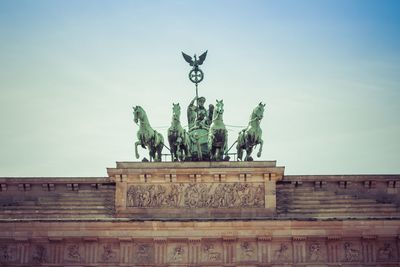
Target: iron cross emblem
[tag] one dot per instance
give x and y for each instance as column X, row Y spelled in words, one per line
column 196, row 75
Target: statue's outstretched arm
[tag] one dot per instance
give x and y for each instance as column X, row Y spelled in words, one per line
column 192, row 102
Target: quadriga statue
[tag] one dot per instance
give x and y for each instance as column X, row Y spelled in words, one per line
column 251, row 136
column 147, row 136
column 217, row 135
column 178, row 138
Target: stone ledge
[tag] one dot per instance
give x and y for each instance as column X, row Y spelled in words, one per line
column 196, row 164
column 244, row 219
column 338, row 178
column 54, row 180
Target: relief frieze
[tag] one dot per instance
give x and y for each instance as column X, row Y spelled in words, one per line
column 73, row 252
column 144, row 253
column 386, row 252
column 212, row 252
column 316, row 252
column 8, row 253
column 351, row 253
column 248, row 251
column 39, row 254
column 282, row 253
column 108, row 253
column 177, row 253
column 196, row 195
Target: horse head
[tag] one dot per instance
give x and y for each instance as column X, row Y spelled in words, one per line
column 219, row 109
column 258, row 112
column 138, row 114
column 176, row 111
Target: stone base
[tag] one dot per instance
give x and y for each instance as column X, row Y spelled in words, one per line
column 223, row 243
column 196, row 190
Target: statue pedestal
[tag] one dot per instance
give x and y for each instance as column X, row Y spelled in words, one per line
column 196, row 190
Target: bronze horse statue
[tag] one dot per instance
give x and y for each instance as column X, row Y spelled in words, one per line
column 217, row 135
column 251, row 136
column 178, row 138
column 147, row 136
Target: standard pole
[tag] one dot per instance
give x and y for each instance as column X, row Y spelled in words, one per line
column 197, row 102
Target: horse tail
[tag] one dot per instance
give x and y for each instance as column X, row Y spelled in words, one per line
column 226, row 142
column 158, row 139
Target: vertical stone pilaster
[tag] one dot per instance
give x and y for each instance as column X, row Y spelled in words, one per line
column 60, row 252
column 333, row 249
column 126, row 250
column 270, row 191
column 229, row 246
column 368, row 249
column 264, row 249
column 22, row 250
column 56, row 252
column 160, row 251
column 299, row 249
column 194, row 250
column 90, row 245
column 120, row 192
column 398, row 247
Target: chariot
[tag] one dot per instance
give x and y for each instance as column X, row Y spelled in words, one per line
column 206, row 138
column 199, row 143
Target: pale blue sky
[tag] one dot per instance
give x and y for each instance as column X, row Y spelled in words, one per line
column 70, row 71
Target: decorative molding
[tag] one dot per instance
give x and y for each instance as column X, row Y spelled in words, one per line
column 199, row 251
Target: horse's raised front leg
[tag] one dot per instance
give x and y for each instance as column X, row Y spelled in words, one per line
column 260, row 150
column 136, row 150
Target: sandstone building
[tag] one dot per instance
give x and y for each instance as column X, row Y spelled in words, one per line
column 200, row 214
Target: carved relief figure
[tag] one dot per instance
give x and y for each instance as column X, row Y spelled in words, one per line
column 350, row 254
column 315, row 252
column 211, row 253
column 191, row 196
column 73, row 252
column 177, row 254
column 7, row 254
column 282, row 254
column 174, row 196
column 108, row 253
column 196, row 195
column 39, row 254
column 159, row 195
column 204, row 192
column 144, row 254
column 385, row 253
column 247, row 251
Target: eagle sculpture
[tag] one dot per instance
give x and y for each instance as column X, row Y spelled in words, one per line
column 196, row 62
